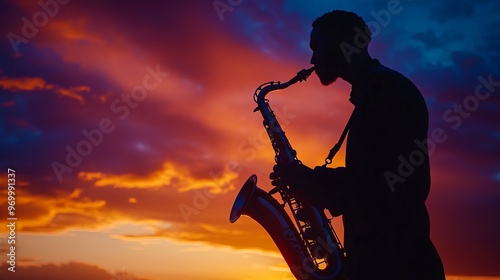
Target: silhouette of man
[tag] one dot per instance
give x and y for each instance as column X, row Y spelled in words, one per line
column 381, row 192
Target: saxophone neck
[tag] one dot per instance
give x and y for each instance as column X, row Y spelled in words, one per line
column 266, row 88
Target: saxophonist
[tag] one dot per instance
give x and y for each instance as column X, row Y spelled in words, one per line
column 382, row 189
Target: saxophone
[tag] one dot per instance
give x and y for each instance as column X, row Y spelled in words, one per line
column 309, row 244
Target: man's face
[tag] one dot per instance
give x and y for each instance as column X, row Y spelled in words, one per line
column 326, row 57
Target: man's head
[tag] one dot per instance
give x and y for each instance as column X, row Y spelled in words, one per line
column 337, row 39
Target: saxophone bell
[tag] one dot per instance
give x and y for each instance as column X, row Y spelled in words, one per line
column 243, row 199
column 257, row 204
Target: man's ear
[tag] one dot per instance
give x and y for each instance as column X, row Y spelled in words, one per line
column 348, row 50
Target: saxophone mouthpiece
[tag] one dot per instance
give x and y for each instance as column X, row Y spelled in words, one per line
column 304, row 74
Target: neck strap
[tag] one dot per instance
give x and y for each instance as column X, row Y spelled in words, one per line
column 336, row 147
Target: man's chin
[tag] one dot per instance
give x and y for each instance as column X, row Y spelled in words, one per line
column 327, row 80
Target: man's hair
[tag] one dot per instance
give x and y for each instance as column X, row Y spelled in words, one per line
column 342, row 25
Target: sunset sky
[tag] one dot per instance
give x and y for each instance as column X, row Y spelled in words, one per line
column 129, row 125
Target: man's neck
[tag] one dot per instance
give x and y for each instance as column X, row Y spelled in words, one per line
column 356, row 70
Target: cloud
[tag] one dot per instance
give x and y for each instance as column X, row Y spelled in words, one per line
column 26, row 83
column 64, row 271
column 450, row 10
column 42, row 213
column 432, row 40
column 219, row 235
column 170, row 175
column 39, row 84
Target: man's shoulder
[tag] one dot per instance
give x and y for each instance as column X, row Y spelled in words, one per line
column 380, row 72
column 390, row 83
column 390, row 77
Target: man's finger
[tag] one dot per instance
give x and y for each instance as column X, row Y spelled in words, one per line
column 277, row 167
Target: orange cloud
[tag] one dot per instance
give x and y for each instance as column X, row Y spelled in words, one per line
column 73, row 92
column 70, row 270
column 158, row 209
column 63, row 212
column 25, row 83
column 36, row 83
column 47, row 214
column 246, row 237
column 170, row 175
column 75, row 31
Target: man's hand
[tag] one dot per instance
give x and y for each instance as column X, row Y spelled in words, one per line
column 325, row 187
column 296, row 175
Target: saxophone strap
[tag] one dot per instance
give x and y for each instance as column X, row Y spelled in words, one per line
column 336, row 147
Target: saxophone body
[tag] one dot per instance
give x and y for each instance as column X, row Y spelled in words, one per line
column 308, row 243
